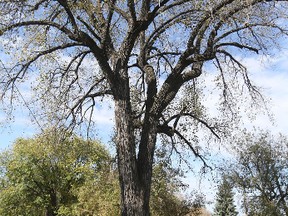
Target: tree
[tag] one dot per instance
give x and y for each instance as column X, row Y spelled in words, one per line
column 224, row 200
column 198, row 204
column 40, row 176
column 141, row 54
column 260, row 173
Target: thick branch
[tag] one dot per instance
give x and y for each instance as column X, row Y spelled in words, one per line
column 238, row 45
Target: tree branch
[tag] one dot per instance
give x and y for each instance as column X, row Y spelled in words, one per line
column 212, row 129
column 196, row 153
column 238, row 45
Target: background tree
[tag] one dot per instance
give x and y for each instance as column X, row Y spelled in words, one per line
column 166, row 196
column 39, row 176
column 260, row 173
column 100, row 197
column 198, row 204
column 224, row 205
column 141, row 54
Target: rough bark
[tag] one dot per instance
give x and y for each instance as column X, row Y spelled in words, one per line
column 135, row 174
column 135, row 171
column 131, row 189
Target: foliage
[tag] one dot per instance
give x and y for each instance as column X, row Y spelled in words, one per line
column 224, row 200
column 260, row 173
column 148, row 57
column 165, row 187
column 198, row 204
column 41, row 175
column 167, row 197
column 100, row 198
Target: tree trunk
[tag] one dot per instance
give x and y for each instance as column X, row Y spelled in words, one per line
column 131, row 201
column 134, row 174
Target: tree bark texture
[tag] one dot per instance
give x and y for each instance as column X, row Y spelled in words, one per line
column 135, row 171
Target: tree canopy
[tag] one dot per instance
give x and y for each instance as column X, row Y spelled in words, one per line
column 147, row 56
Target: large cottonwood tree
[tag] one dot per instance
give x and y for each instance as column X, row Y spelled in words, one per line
column 140, row 54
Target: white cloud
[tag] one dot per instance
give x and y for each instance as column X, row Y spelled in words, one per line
column 272, row 76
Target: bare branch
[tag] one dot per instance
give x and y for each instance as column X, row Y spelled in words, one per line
column 89, row 28
column 212, row 129
column 226, row 53
column 131, row 6
column 65, row 5
column 195, row 152
column 238, row 45
column 24, row 67
column 40, row 23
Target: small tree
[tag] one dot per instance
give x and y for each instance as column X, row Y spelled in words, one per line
column 198, row 204
column 224, row 200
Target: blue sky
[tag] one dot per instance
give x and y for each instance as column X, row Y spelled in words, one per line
column 22, row 125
